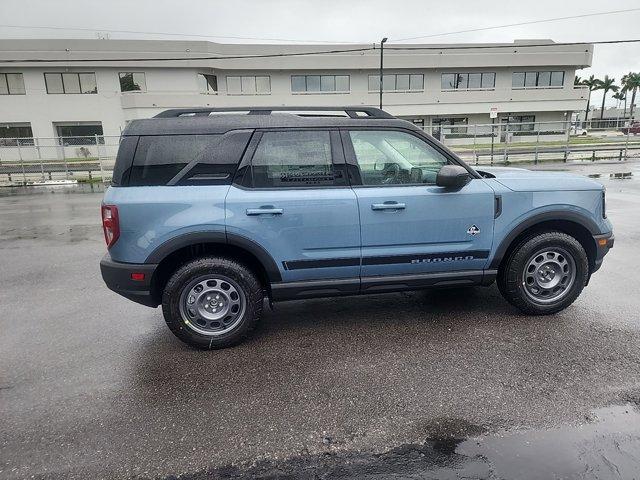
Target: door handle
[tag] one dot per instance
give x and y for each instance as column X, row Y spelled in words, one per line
column 388, row 206
column 267, row 210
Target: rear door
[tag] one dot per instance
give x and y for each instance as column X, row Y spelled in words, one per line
column 408, row 224
column 291, row 197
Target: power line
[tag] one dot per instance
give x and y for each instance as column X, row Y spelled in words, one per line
column 318, row 52
column 532, row 22
column 515, row 45
column 184, row 35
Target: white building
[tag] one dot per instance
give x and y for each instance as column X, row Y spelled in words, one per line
column 61, row 88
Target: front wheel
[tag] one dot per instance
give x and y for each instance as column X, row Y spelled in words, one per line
column 212, row 302
column 544, row 274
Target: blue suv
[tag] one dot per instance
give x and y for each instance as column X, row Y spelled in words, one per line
column 212, row 211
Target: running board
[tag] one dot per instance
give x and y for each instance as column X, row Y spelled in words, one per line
column 378, row 284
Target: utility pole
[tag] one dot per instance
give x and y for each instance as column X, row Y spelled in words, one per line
column 384, row 40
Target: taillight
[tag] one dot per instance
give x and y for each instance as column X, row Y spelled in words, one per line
column 110, row 224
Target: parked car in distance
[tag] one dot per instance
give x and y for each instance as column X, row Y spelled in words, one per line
column 211, row 212
column 634, row 128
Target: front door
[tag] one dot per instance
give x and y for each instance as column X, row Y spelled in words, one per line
column 294, row 202
column 408, row 224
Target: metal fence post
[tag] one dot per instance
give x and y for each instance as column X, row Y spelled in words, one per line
column 24, row 175
column 64, row 156
column 475, row 135
column 566, row 146
column 505, row 157
column 492, row 138
column 36, row 143
column 626, row 143
column 100, row 161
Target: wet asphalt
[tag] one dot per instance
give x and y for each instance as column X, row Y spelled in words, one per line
column 434, row 384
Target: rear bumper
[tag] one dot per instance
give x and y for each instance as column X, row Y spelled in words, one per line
column 117, row 276
column 604, row 243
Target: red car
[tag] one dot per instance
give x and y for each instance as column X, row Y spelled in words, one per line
column 634, row 128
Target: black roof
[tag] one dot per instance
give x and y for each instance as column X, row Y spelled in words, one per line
column 203, row 121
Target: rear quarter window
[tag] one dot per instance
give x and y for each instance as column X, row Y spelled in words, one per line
column 159, row 158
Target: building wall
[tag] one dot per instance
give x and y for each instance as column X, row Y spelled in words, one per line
column 174, row 84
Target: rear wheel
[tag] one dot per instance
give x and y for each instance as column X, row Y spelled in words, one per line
column 544, row 274
column 212, row 302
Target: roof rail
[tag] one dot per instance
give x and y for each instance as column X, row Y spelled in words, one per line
column 353, row 112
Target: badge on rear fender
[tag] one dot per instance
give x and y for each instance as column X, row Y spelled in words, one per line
column 473, row 230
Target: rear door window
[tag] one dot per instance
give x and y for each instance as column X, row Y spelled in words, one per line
column 295, row 159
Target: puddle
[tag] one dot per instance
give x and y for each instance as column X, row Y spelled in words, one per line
column 606, row 446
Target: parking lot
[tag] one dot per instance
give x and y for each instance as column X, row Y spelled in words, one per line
column 433, row 384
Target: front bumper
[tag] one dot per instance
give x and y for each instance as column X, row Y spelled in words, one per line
column 604, row 243
column 118, row 277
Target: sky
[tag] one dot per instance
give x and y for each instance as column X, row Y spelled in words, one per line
column 336, row 21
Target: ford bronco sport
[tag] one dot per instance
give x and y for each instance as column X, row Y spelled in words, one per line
column 210, row 212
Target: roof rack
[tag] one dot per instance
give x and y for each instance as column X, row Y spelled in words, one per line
column 353, row 112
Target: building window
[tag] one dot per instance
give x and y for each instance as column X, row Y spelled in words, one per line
column 449, row 125
column 544, row 79
column 14, row 134
column 71, row 82
column 79, row 133
column 468, row 81
column 208, row 83
column 520, row 123
column 320, row 84
column 11, row 84
column 249, row 85
column 133, row 82
column 400, row 83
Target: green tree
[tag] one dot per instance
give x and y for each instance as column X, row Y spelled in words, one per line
column 621, row 97
column 605, row 85
column 631, row 83
column 577, row 80
column 590, row 82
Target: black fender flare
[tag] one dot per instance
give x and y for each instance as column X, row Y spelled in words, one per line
column 176, row 243
column 557, row 215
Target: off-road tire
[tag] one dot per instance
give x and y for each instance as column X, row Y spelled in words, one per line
column 242, row 276
column 510, row 274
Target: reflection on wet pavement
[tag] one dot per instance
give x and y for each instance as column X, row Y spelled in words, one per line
column 606, row 446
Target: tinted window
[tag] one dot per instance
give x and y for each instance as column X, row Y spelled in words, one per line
column 544, row 79
column 11, row 84
column 133, row 82
column 557, row 79
column 488, row 80
column 159, row 158
column 395, row 158
column 294, row 159
column 517, row 80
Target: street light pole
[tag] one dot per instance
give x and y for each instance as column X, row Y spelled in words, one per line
column 381, row 66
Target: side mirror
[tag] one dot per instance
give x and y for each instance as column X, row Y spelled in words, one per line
column 452, row 176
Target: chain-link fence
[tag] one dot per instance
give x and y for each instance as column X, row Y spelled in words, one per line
column 91, row 159
column 59, row 159
column 504, row 142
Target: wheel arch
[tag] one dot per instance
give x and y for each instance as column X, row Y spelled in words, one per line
column 175, row 252
column 578, row 226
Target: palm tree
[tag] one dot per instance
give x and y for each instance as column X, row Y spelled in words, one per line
column 621, row 97
column 590, row 82
column 631, row 83
column 606, row 84
column 577, row 80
